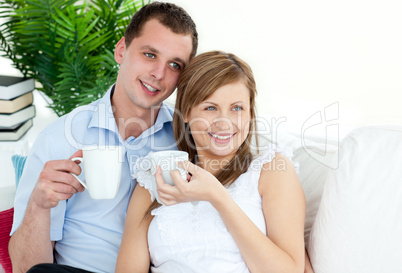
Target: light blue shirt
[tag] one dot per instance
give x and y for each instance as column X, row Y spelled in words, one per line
column 88, row 232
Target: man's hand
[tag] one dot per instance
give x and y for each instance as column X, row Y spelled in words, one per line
column 56, row 183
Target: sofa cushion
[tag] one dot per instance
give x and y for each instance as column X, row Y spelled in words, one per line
column 358, row 224
column 313, row 172
column 18, row 163
column 7, row 212
column 6, row 221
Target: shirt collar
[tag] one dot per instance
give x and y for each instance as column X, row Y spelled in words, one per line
column 165, row 114
column 103, row 115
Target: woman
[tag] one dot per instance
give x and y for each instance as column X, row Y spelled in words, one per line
column 236, row 213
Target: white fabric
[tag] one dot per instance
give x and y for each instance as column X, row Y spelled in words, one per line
column 315, row 157
column 142, row 172
column 312, row 176
column 193, row 238
column 358, row 226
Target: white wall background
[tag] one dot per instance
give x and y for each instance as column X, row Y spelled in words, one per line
column 343, row 55
column 307, row 55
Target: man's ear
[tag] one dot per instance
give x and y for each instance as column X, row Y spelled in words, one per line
column 119, row 50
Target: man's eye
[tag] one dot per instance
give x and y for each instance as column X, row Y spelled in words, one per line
column 175, row 65
column 150, row 55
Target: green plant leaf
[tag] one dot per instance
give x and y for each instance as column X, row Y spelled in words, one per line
column 66, row 45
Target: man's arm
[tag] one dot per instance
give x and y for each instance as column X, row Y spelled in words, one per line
column 31, row 243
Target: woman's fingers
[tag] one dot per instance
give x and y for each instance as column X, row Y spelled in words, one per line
column 182, row 191
column 168, row 202
column 161, row 185
column 188, row 166
column 177, row 178
column 166, row 193
column 164, row 197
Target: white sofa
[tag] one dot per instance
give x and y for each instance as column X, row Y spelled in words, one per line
column 354, row 200
column 358, row 226
column 353, row 194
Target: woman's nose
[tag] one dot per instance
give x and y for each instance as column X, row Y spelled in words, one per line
column 223, row 123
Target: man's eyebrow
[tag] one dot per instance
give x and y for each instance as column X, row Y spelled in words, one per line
column 150, row 48
column 177, row 59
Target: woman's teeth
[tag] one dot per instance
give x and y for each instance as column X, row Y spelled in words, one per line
column 150, row 88
column 221, row 137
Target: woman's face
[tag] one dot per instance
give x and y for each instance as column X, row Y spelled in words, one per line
column 220, row 124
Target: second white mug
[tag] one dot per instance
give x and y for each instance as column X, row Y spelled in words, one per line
column 102, row 168
column 167, row 161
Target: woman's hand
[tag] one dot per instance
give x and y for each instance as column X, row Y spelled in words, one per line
column 202, row 186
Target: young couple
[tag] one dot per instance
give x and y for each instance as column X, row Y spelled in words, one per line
column 249, row 215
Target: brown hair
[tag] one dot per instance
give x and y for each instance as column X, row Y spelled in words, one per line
column 204, row 75
column 170, row 15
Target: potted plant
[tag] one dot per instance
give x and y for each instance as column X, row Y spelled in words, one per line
column 65, row 45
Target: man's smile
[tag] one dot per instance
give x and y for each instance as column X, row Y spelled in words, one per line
column 149, row 87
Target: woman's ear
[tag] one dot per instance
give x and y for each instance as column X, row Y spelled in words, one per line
column 185, row 117
column 119, row 50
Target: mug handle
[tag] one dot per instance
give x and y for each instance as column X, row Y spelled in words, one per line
column 81, row 160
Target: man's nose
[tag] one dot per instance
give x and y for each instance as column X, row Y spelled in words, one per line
column 158, row 70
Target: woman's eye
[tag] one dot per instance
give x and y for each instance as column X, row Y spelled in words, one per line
column 150, row 55
column 175, row 65
column 238, row 108
column 210, row 108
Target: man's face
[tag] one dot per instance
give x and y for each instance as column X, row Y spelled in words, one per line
column 151, row 65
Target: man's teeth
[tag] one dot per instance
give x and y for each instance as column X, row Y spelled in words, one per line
column 221, row 137
column 150, row 88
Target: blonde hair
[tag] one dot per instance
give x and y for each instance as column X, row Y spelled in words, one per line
column 202, row 77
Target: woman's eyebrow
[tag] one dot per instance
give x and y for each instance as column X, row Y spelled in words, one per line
column 237, row 102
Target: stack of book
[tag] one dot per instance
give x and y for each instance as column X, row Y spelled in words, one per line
column 16, row 108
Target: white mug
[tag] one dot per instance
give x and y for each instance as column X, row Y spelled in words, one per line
column 167, row 161
column 102, row 169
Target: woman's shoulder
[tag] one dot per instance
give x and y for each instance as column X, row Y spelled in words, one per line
column 277, row 169
column 274, row 157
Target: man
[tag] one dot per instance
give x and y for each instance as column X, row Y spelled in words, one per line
column 55, row 219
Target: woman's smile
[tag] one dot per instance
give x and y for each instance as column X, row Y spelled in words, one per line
column 221, row 138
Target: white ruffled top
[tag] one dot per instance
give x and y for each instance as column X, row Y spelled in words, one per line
column 193, row 238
